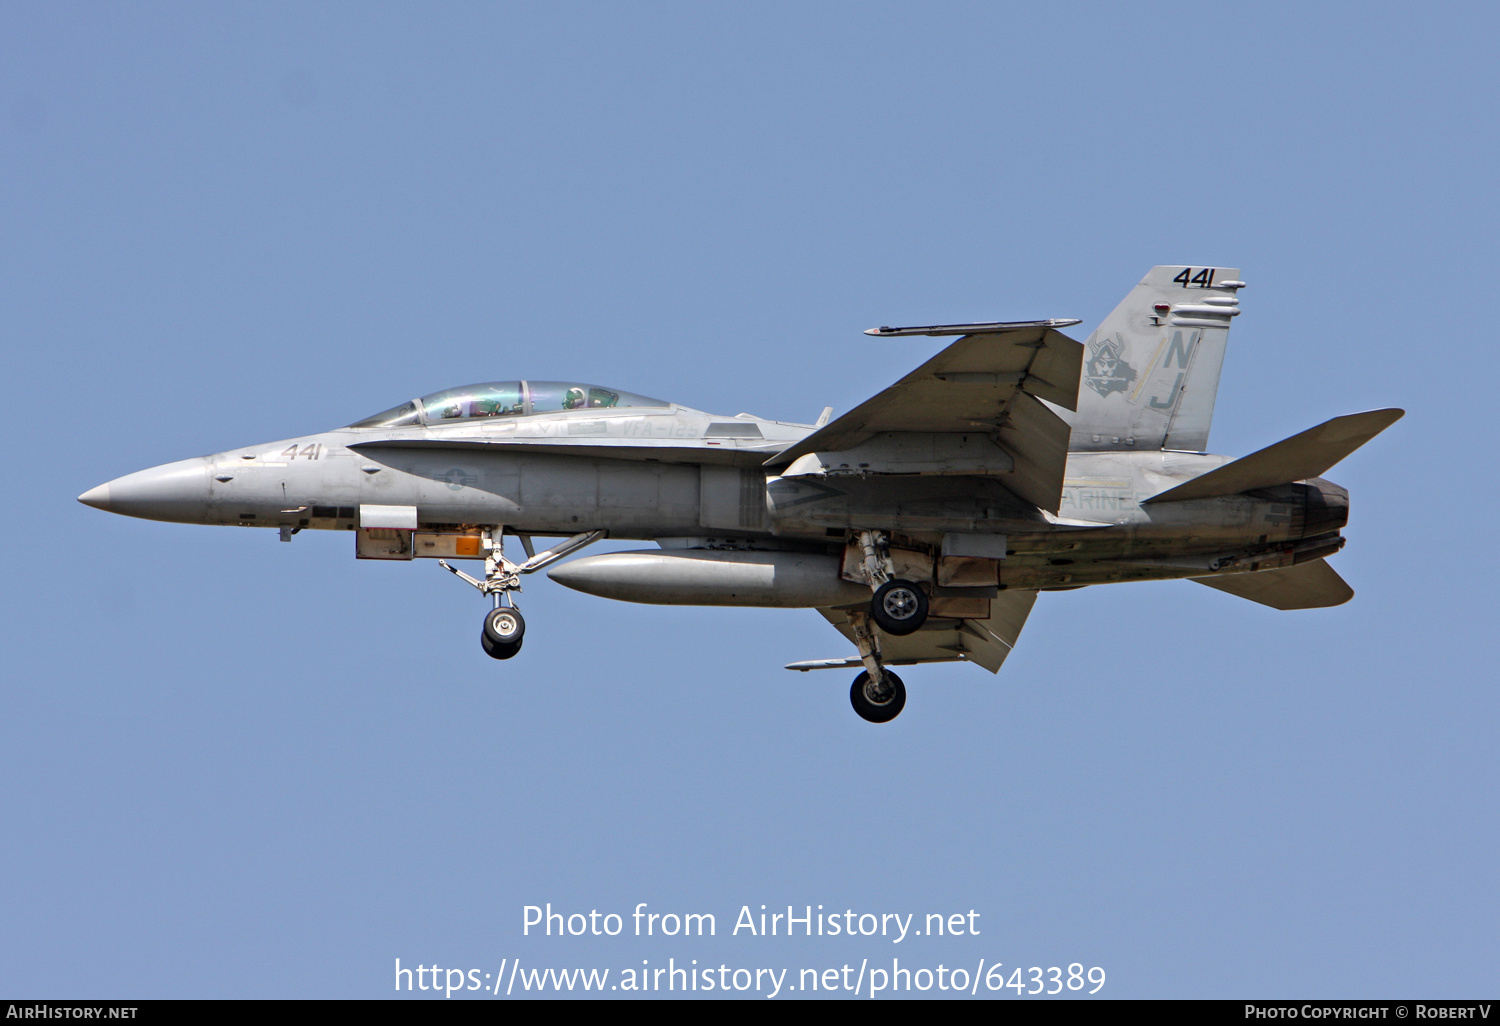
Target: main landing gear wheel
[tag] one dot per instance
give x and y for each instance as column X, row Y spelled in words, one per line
column 503, row 627
column 495, row 651
column 899, row 607
column 874, row 706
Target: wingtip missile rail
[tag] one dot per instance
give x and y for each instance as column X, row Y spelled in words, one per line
column 978, row 328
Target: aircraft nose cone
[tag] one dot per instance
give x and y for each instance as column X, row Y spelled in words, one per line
column 173, row 491
column 97, row 497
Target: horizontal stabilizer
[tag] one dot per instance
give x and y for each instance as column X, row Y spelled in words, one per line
column 1310, row 585
column 1298, row 458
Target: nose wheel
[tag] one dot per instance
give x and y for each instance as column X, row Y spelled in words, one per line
column 495, row 651
column 504, row 630
column 504, row 627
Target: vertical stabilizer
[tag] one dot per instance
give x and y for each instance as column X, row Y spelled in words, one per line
column 1151, row 370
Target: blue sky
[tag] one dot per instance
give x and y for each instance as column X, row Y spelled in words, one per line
column 239, row 768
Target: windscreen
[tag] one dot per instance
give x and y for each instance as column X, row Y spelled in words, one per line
column 396, row 416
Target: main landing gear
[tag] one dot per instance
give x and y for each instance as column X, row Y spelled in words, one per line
column 878, row 704
column 878, row 694
column 504, row 627
column 898, row 608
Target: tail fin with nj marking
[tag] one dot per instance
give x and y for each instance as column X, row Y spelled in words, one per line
column 1151, row 370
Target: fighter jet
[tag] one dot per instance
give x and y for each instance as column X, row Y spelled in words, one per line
column 922, row 524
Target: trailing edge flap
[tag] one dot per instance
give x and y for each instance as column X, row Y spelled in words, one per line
column 675, row 453
column 986, row 642
column 988, row 382
column 1298, row 458
column 1304, row 586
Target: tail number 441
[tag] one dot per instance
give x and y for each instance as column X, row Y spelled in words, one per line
column 1204, row 279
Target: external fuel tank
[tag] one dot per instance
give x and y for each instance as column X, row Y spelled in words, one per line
column 708, row 577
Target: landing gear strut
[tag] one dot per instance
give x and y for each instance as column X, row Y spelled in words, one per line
column 898, row 608
column 504, row 627
column 878, row 694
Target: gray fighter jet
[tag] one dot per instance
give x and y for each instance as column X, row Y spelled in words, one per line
column 921, row 524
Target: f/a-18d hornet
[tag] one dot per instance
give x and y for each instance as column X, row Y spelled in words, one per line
column 921, row 524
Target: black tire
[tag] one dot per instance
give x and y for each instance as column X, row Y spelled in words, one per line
column 877, row 712
column 495, row 651
column 899, row 607
column 504, row 627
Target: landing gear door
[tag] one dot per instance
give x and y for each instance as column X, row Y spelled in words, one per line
column 462, row 544
column 394, row 543
column 382, row 543
column 385, row 532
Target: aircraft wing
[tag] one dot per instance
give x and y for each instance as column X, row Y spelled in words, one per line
column 986, row 642
column 991, row 380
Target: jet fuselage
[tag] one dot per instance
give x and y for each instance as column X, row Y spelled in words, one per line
column 1104, row 531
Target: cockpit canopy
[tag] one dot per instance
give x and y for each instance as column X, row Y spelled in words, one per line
column 505, row 399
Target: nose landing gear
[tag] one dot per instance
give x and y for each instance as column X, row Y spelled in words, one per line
column 504, row 627
column 504, row 630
